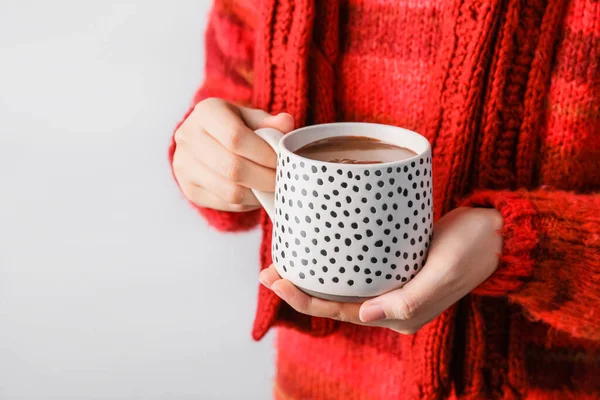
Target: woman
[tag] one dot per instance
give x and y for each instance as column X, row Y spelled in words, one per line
column 508, row 93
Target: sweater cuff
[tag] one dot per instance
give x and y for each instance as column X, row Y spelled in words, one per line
column 221, row 220
column 520, row 235
column 271, row 311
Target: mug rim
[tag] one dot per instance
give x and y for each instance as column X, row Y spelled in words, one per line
column 283, row 146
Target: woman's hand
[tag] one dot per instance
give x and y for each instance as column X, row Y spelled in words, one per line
column 218, row 157
column 464, row 253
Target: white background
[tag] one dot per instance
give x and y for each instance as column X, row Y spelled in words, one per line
column 111, row 287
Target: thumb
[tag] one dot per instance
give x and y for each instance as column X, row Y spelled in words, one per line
column 256, row 119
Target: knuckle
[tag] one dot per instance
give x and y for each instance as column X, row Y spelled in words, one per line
column 179, row 135
column 178, row 165
column 234, row 194
column 207, row 103
column 233, row 168
column 234, row 135
column 188, row 191
column 406, row 308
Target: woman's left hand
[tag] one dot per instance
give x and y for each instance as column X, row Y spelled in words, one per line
column 463, row 253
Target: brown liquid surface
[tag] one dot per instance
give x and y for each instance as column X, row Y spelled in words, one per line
column 354, row 150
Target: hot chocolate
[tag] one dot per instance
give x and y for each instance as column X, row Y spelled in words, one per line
column 354, row 150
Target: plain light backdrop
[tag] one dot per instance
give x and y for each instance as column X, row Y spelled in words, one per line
column 111, row 287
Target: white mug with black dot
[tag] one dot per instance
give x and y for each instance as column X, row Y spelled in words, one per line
column 347, row 232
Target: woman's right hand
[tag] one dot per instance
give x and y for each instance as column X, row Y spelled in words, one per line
column 218, row 157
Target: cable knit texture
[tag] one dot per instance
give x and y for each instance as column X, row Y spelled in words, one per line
column 507, row 92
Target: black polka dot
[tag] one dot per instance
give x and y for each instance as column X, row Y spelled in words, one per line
column 379, row 243
column 378, row 196
column 350, row 282
column 342, row 270
column 301, row 275
column 346, row 213
column 340, row 172
column 380, row 183
column 358, row 237
column 378, row 173
column 335, row 279
column 365, row 248
column 344, row 185
column 393, row 266
column 335, row 192
column 331, row 179
column 367, row 271
column 350, row 174
column 369, row 233
column 356, row 268
column 355, row 188
column 377, row 273
column 321, row 280
column 324, row 168
column 354, row 225
column 349, row 258
column 364, row 199
column 337, row 236
column 360, row 257
column 387, row 231
column 324, row 252
column 325, row 269
column 319, row 181
column 314, row 169
column 311, row 272
column 366, row 220
column 369, row 280
column 388, row 249
column 388, row 276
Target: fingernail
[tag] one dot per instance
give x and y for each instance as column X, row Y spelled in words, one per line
column 284, row 113
column 278, row 293
column 263, row 282
column 371, row 313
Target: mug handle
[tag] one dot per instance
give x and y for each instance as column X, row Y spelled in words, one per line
column 266, row 199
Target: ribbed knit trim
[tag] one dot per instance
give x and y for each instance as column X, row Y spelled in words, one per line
column 520, row 239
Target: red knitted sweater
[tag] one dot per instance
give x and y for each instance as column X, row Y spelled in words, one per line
column 508, row 93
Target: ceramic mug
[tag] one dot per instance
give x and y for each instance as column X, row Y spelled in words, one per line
column 347, row 232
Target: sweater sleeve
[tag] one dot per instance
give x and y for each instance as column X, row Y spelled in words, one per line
column 550, row 264
column 229, row 46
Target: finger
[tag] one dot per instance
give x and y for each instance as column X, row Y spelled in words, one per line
column 227, row 191
column 305, row 304
column 425, row 295
column 268, row 275
column 224, row 122
column 230, row 166
column 203, row 198
column 256, row 119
